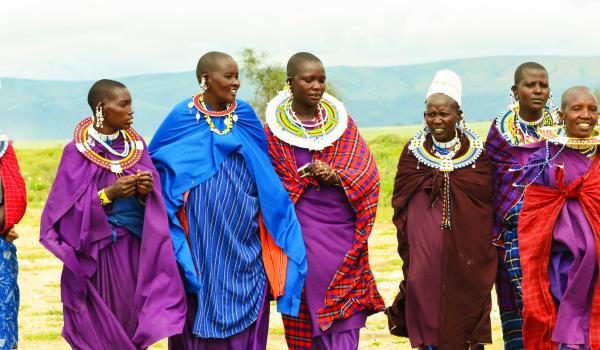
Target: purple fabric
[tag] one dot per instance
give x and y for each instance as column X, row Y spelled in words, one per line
column 572, row 266
column 424, row 284
column 327, row 221
column 346, row 340
column 75, row 229
column 252, row 338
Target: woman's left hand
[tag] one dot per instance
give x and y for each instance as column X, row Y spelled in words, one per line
column 145, row 182
column 324, row 173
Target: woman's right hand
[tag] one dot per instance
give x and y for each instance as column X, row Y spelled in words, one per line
column 124, row 186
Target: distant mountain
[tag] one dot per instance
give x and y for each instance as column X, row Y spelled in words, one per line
column 374, row 96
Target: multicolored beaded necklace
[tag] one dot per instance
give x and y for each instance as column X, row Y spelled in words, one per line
column 329, row 124
column 517, row 131
column 132, row 140
column 444, row 161
column 3, row 144
column 228, row 113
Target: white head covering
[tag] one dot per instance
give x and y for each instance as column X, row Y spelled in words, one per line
column 448, row 83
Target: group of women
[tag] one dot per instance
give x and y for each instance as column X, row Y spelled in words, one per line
column 191, row 236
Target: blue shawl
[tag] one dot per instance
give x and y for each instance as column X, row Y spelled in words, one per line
column 186, row 153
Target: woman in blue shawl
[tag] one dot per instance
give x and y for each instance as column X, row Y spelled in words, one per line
column 225, row 204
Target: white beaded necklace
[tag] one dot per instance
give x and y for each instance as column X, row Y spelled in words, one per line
column 102, row 139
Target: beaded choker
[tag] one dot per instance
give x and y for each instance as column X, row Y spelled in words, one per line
column 446, row 164
column 331, row 120
column 556, row 134
column 228, row 113
column 133, row 143
column 3, row 144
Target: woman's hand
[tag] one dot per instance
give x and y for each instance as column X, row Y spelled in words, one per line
column 124, row 186
column 11, row 235
column 145, row 182
column 324, row 173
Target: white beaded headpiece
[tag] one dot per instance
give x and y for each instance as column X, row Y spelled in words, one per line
column 448, row 83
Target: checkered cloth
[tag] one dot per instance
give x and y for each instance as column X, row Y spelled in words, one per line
column 541, row 208
column 505, row 198
column 15, row 196
column 512, row 330
column 353, row 287
column 298, row 330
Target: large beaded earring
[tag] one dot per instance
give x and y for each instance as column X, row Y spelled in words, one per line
column 203, row 84
column 99, row 117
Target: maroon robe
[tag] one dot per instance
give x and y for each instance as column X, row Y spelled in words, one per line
column 445, row 298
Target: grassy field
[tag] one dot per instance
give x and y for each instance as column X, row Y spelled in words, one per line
column 40, row 318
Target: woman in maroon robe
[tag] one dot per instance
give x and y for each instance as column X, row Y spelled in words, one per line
column 443, row 214
column 105, row 219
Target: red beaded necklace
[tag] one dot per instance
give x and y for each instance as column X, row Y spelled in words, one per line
column 199, row 103
column 80, row 136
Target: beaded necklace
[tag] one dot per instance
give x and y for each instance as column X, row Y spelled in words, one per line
column 103, row 138
column 517, row 131
column 132, row 140
column 228, row 113
column 331, row 120
column 320, row 117
column 446, row 163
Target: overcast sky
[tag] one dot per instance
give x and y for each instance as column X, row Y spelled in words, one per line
column 89, row 39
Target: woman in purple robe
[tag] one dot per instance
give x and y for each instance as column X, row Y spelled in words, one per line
column 332, row 178
column 106, row 221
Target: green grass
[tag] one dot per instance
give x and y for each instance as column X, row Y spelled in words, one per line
column 40, row 318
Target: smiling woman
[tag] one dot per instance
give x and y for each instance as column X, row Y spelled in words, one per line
column 226, row 209
column 559, row 228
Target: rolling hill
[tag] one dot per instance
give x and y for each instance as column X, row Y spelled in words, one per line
column 375, row 96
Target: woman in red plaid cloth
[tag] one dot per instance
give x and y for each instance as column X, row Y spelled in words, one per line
column 332, row 178
column 13, row 201
column 443, row 214
column 559, row 231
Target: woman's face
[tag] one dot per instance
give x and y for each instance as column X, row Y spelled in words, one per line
column 580, row 114
column 533, row 89
column 441, row 116
column 308, row 85
column 223, row 82
column 118, row 111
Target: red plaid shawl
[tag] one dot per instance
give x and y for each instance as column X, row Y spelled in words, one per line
column 353, row 287
column 541, row 208
column 15, row 197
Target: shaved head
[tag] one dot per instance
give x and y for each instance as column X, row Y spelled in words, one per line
column 103, row 90
column 527, row 66
column 209, row 62
column 295, row 62
column 572, row 92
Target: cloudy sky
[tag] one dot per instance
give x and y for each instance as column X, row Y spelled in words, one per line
column 90, row 39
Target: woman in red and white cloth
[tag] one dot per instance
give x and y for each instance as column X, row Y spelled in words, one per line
column 13, row 201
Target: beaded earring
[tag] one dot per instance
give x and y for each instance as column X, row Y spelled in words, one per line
column 287, row 88
column 203, row 84
column 513, row 98
column 99, row 117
